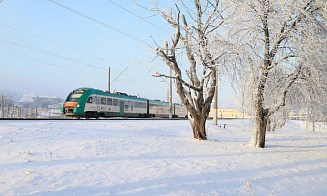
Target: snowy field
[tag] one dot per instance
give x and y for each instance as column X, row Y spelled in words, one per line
column 158, row 158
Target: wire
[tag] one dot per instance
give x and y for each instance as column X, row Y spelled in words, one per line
column 54, row 43
column 144, row 20
column 59, row 56
column 118, row 76
column 6, row 42
column 103, row 24
column 138, row 16
column 31, row 59
column 48, row 53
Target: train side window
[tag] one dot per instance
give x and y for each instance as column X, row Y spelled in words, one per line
column 131, row 107
column 115, row 102
column 98, row 100
column 109, row 101
column 126, row 107
column 144, row 105
column 103, row 101
column 90, row 100
column 136, row 104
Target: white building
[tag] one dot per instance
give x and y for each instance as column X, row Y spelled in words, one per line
column 34, row 100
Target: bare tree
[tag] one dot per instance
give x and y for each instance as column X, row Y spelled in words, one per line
column 197, row 37
column 272, row 39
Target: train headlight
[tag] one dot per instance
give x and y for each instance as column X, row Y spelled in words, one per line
column 77, row 105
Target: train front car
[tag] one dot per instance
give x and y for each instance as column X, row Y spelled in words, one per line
column 75, row 103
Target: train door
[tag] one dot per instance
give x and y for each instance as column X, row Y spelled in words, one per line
column 147, row 108
column 98, row 100
column 121, row 108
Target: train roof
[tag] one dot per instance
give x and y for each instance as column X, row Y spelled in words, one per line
column 107, row 93
column 120, row 95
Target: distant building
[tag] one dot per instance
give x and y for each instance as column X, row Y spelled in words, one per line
column 228, row 113
column 33, row 100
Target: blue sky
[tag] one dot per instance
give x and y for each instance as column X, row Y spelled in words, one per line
column 49, row 50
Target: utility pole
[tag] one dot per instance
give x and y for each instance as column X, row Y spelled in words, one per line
column 215, row 108
column 170, row 95
column 215, row 104
column 109, row 80
column 170, row 86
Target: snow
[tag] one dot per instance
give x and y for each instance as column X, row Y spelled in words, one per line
column 159, row 157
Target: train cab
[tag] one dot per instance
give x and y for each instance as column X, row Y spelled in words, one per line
column 71, row 103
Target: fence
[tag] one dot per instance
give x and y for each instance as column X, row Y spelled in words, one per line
column 30, row 112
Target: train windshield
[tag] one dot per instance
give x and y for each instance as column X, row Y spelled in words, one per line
column 75, row 95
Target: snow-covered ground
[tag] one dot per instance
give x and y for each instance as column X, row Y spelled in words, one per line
column 158, row 158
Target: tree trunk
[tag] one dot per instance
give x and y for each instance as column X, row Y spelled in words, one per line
column 259, row 132
column 261, row 118
column 198, row 127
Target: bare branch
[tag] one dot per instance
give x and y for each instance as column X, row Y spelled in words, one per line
column 177, row 77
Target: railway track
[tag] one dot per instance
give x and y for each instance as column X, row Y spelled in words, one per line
column 93, row 119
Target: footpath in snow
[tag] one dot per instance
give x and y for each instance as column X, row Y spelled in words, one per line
column 158, row 158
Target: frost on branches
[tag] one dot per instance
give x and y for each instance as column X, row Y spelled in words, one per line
column 281, row 48
column 196, row 39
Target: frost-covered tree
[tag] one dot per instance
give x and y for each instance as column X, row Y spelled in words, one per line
column 274, row 42
column 198, row 41
column 310, row 92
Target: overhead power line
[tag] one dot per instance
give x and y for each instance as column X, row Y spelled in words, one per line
column 48, row 53
column 30, row 47
column 55, row 65
column 138, row 16
column 62, row 45
column 102, row 24
column 27, row 46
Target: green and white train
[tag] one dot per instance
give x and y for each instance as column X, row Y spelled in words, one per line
column 94, row 103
